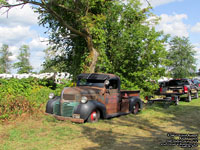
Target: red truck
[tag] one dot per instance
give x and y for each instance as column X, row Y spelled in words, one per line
column 95, row 96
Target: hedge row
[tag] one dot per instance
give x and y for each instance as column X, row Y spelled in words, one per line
column 19, row 96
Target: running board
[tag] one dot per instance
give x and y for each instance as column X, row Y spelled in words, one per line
column 117, row 114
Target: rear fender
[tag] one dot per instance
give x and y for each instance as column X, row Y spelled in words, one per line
column 133, row 101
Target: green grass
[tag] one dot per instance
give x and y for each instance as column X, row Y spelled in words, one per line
column 143, row 131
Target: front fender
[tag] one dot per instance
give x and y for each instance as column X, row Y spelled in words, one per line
column 86, row 109
column 50, row 104
column 133, row 101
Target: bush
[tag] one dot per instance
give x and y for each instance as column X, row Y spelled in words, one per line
column 19, row 96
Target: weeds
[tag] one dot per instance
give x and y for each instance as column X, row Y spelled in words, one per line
column 18, row 96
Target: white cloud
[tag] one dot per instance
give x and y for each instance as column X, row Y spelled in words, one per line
column 13, row 35
column 19, row 27
column 196, row 27
column 39, row 43
column 36, row 60
column 14, row 51
column 37, row 46
column 155, row 3
column 18, row 16
column 174, row 25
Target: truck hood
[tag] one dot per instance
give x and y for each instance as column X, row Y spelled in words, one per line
column 75, row 93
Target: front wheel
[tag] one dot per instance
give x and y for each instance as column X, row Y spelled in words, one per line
column 94, row 116
column 136, row 108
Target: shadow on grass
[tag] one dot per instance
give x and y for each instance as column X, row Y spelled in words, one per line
column 136, row 132
column 185, row 115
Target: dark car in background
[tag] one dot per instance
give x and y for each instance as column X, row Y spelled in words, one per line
column 183, row 88
column 197, row 83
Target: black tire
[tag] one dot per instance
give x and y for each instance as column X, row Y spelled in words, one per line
column 136, row 108
column 189, row 98
column 94, row 116
column 196, row 95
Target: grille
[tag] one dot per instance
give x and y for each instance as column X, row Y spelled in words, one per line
column 69, row 97
column 68, row 108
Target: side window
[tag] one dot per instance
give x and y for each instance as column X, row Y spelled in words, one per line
column 113, row 84
column 187, row 82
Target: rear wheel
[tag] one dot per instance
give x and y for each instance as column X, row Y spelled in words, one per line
column 94, row 116
column 136, row 108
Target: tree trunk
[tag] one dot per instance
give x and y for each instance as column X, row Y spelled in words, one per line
column 93, row 56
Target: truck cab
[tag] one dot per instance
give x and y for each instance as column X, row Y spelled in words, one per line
column 95, row 96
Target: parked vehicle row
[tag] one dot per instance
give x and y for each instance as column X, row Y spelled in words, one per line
column 99, row 96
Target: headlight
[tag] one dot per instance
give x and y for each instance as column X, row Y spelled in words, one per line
column 84, row 99
column 51, row 95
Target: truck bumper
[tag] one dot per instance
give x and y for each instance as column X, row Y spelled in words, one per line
column 76, row 120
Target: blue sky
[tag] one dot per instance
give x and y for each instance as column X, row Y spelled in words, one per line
column 178, row 18
column 181, row 18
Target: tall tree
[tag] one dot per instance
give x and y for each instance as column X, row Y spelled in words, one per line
column 181, row 56
column 73, row 22
column 4, row 59
column 23, row 65
column 135, row 50
column 104, row 36
column 72, row 18
column 51, row 64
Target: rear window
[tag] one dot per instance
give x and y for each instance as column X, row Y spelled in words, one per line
column 178, row 82
column 196, row 81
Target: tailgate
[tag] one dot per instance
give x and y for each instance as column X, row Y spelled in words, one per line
column 175, row 89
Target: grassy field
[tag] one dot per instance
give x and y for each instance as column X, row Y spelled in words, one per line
column 145, row 131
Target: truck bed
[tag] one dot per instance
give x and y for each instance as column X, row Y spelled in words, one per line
column 129, row 93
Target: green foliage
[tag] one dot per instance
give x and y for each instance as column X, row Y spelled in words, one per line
column 86, row 17
column 181, row 55
column 3, row 2
column 122, row 35
column 126, row 43
column 4, row 59
column 23, row 65
column 135, row 51
column 19, row 96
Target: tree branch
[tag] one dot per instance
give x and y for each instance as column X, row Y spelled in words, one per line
column 13, row 5
column 62, row 21
column 48, row 8
column 67, row 9
column 148, row 3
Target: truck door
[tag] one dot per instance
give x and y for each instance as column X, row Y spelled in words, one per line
column 112, row 97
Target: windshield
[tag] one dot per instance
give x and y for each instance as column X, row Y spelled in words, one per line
column 178, row 83
column 87, row 82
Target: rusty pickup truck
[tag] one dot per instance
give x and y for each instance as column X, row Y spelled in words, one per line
column 95, row 96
